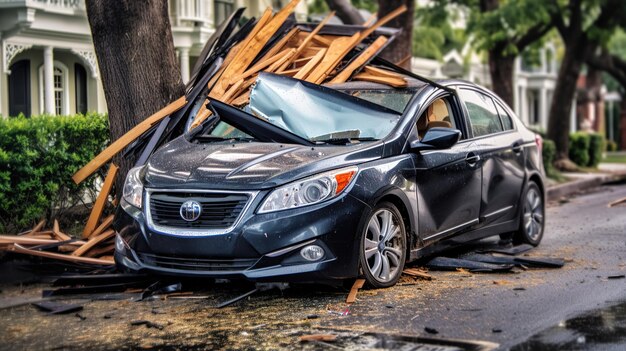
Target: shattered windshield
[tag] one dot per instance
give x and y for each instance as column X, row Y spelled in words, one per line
column 393, row 99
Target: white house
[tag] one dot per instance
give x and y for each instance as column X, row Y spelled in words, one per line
column 48, row 63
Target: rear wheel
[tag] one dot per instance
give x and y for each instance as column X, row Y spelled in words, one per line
column 532, row 217
column 383, row 246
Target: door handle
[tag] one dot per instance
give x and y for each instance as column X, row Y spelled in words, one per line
column 517, row 148
column 472, row 158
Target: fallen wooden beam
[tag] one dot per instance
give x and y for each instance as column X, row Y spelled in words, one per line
column 126, row 139
column 304, row 71
column 360, row 60
column 358, row 284
column 14, row 239
column 99, row 261
column 38, row 227
column 98, row 207
column 93, row 242
column 318, row 337
column 417, row 273
column 58, row 234
column 307, row 40
column 106, row 223
column 99, row 251
column 394, row 82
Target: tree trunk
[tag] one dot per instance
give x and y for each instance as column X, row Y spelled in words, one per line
column 137, row 62
column 400, row 48
column 564, row 93
column 622, row 124
column 501, row 70
column 347, row 13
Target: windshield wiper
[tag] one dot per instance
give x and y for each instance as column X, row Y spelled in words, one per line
column 344, row 141
column 210, row 138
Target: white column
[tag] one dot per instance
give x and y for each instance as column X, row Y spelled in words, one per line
column 573, row 125
column 523, row 106
column 48, row 80
column 543, row 108
column 183, row 55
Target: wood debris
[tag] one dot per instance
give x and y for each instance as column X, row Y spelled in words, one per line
column 358, row 284
column 414, row 272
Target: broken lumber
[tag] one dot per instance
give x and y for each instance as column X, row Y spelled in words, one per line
column 38, row 227
column 126, row 139
column 417, row 273
column 360, row 60
column 358, row 284
column 318, row 337
column 58, row 234
column 14, row 239
column 98, row 207
column 104, row 225
column 17, row 248
column 93, row 242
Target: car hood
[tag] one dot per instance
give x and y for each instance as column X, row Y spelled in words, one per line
column 247, row 165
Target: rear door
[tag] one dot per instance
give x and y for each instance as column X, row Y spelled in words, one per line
column 499, row 147
column 448, row 182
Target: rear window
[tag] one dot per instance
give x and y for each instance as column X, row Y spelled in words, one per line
column 482, row 111
column 507, row 122
column 396, row 100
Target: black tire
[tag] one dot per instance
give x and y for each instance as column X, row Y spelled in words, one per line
column 382, row 262
column 532, row 216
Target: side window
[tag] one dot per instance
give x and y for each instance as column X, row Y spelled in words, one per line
column 507, row 122
column 438, row 114
column 483, row 115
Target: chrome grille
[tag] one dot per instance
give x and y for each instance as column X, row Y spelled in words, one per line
column 196, row 264
column 219, row 210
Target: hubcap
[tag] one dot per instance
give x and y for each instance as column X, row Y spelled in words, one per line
column 533, row 214
column 383, row 245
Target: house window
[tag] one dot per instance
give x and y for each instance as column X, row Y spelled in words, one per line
column 59, row 86
column 223, row 9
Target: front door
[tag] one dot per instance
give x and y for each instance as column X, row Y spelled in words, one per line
column 448, row 181
column 19, row 88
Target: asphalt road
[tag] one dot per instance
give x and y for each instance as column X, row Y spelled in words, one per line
column 506, row 309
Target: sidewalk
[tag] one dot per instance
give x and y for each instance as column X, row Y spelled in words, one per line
column 608, row 172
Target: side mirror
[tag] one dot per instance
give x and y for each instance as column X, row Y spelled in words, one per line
column 437, row 138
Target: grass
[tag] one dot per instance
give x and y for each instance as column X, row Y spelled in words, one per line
column 615, row 158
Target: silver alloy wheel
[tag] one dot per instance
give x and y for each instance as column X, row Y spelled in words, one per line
column 533, row 214
column 383, row 245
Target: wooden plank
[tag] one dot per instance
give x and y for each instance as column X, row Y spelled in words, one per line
column 394, row 82
column 360, row 60
column 358, row 284
column 38, row 227
column 57, row 256
column 126, row 139
column 321, row 40
column 382, row 72
column 8, row 239
column 282, row 61
column 99, row 251
column 98, row 207
column 381, row 22
column 104, row 225
column 417, row 273
column 46, row 233
column 304, row 71
column 258, row 67
column 58, row 234
column 308, row 39
column 93, row 242
column 241, row 99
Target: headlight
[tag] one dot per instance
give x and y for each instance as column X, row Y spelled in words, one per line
column 309, row 191
column 133, row 187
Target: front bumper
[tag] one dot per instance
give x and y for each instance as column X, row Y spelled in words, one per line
column 262, row 247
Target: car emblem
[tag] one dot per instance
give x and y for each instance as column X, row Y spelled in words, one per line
column 190, row 210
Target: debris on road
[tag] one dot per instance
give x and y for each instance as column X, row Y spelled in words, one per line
column 358, row 284
column 53, row 307
column 451, row 264
column 414, row 272
column 318, row 337
column 536, row 262
column 431, row 330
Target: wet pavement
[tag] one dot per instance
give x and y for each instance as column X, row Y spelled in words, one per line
column 524, row 310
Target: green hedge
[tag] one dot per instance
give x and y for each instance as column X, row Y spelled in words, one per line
column 549, row 155
column 596, row 147
column 579, row 148
column 38, row 156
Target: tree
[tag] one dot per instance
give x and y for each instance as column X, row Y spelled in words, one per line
column 612, row 60
column 399, row 51
column 137, row 62
column 347, row 13
column 505, row 29
column 584, row 26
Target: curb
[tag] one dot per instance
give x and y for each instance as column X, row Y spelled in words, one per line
column 558, row 191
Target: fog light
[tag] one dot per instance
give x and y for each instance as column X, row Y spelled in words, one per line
column 312, row 253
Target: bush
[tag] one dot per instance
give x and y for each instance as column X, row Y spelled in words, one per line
column 611, row 146
column 596, row 148
column 579, row 148
column 38, row 156
column 548, row 155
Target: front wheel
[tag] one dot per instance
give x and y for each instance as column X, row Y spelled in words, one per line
column 532, row 217
column 383, row 246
